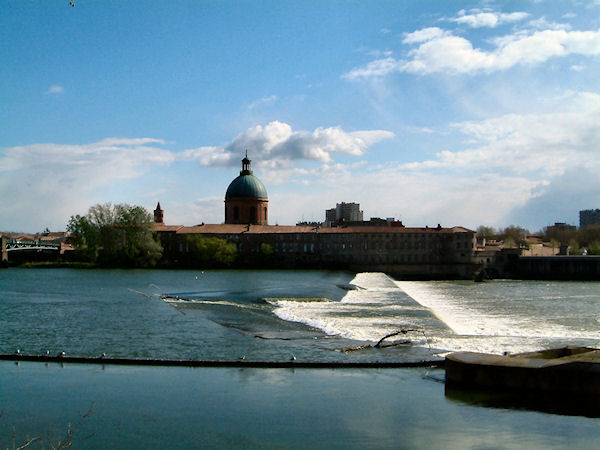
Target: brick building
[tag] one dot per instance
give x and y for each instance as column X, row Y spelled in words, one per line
column 246, row 199
column 391, row 247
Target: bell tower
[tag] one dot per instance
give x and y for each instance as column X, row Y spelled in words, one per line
column 159, row 214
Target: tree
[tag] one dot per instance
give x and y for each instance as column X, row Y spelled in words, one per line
column 485, row 232
column 119, row 235
column 594, row 248
column 574, row 247
column 266, row 255
column 211, row 251
column 513, row 233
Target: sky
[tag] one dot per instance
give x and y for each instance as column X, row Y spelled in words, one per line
column 452, row 112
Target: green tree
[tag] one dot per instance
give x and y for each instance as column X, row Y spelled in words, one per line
column 119, row 235
column 211, row 251
column 267, row 255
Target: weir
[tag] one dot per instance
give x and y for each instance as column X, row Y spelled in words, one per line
column 292, row 364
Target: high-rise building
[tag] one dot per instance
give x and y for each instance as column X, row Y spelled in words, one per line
column 349, row 212
column 589, row 217
column 330, row 215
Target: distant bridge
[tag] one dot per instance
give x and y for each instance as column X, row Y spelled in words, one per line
column 15, row 245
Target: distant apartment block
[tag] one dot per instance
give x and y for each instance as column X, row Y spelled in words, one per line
column 349, row 212
column 589, row 217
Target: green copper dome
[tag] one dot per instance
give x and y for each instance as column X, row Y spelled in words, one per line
column 246, row 185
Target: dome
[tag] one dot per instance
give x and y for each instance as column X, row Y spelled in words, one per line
column 246, row 186
column 246, row 198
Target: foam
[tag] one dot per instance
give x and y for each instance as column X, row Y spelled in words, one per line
column 479, row 327
column 366, row 314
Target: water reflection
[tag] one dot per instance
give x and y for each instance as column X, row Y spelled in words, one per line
column 568, row 405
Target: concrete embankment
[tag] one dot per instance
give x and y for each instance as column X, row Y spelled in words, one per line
column 220, row 363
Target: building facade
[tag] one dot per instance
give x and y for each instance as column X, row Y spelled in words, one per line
column 383, row 245
column 402, row 251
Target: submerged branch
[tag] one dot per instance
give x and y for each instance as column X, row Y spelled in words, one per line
column 382, row 344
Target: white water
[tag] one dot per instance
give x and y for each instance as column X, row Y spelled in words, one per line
column 497, row 319
column 378, row 308
column 512, row 317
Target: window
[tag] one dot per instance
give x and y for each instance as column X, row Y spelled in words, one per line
column 252, row 214
column 236, row 213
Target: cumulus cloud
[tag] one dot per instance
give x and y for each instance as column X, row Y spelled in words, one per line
column 476, row 18
column 441, row 51
column 531, row 157
column 543, row 24
column 546, row 144
column 418, row 198
column 56, row 181
column 277, row 144
column 55, row 89
column 531, row 169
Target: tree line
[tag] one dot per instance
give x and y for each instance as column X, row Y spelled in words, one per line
column 577, row 239
column 123, row 236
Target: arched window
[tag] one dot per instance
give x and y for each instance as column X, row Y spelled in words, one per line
column 265, row 214
column 252, row 214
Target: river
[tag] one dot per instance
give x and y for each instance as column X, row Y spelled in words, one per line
column 276, row 315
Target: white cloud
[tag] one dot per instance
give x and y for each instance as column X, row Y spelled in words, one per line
column 543, row 24
column 424, row 35
column 377, row 68
column 540, row 146
column 440, row 51
column 55, row 89
column 50, row 182
column 519, row 164
column 264, row 101
column 276, row 145
column 418, row 198
column 477, row 18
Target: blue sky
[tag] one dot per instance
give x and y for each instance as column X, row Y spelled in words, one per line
column 459, row 113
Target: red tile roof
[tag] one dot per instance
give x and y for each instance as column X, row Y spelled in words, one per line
column 283, row 229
